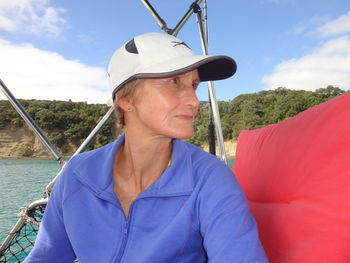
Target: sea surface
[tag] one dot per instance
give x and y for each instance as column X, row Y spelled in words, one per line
column 22, row 182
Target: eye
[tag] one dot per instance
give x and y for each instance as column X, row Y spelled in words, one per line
column 174, row 80
column 195, row 85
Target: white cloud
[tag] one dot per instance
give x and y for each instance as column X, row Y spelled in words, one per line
column 336, row 27
column 327, row 65
column 309, row 26
column 31, row 73
column 34, row 17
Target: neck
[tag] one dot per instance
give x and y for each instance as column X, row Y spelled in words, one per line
column 142, row 159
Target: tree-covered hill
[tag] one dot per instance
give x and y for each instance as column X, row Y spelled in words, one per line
column 70, row 122
column 63, row 121
column 252, row 111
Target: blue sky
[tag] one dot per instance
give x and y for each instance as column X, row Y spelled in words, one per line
column 60, row 49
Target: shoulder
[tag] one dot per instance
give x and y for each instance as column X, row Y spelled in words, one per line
column 80, row 168
column 205, row 165
column 197, row 154
column 84, row 158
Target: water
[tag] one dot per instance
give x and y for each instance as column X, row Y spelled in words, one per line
column 230, row 162
column 21, row 182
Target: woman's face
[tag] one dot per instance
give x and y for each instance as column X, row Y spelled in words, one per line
column 167, row 106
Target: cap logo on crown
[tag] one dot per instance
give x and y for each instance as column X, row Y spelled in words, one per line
column 177, row 43
column 131, row 47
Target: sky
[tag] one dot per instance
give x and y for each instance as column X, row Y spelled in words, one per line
column 59, row 50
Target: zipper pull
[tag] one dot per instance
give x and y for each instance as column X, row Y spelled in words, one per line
column 126, row 225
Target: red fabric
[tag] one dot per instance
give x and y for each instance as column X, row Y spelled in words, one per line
column 296, row 175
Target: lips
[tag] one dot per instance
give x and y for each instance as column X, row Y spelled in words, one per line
column 185, row 117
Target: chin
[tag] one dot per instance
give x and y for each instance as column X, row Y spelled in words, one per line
column 183, row 135
column 176, row 132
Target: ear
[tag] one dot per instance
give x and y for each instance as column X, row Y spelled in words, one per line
column 125, row 104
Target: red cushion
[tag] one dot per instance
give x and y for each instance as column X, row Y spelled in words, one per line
column 296, row 175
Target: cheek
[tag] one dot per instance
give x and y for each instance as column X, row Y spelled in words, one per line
column 159, row 105
column 150, row 113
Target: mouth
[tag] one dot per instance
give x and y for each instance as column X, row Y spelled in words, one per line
column 185, row 117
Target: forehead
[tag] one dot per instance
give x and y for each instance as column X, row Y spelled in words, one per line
column 189, row 74
column 192, row 74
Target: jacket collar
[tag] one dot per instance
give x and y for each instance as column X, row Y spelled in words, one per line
column 95, row 171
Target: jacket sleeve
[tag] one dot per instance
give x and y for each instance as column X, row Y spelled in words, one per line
column 52, row 243
column 228, row 229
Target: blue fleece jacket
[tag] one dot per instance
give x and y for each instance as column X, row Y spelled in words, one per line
column 194, row 212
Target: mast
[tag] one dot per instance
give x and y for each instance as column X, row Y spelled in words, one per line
column 203, row 32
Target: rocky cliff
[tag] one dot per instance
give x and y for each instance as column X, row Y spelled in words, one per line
column 22, row 142
column 230, row 148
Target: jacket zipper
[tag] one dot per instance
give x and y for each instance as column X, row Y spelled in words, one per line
column 125, row 235
column 124, row 241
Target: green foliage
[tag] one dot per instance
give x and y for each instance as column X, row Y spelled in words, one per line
column 256, row 110
column 63, row 121
column 8, row 115
column 70, row 122
column 201, row 125
column 57, row 138
column 25, row 150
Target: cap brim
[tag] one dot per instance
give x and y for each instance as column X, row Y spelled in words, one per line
column 209, row 68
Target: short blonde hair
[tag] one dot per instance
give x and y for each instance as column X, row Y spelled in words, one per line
column 129, row 90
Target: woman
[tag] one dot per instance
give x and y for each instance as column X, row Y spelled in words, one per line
column 148, row 196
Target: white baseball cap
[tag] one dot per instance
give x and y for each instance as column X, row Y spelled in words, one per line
column 159, row 55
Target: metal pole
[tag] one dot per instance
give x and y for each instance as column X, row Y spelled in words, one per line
column 95, row 131
column 212, row 95
column 203, row 30
column 19, row 224
column 36, row 129
column 31, row 123
column 161, row 22
column 184, row 19
column 48, row 188
column 211, row 126
column 216, row 114
column 211, row 129
column 83, row 146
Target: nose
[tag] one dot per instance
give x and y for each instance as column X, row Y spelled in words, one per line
column 191, row 98
column 189, row 82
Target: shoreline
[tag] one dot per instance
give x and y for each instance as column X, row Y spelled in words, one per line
column 31, row 158
column 230, row 148
column 228, row 156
